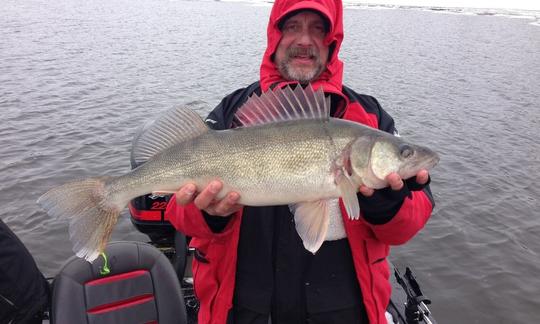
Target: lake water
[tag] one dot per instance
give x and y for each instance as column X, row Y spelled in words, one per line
column 78, row 77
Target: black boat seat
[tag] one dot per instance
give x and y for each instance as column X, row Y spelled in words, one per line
column 140, row 286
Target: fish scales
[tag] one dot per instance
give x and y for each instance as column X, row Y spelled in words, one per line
column 289, row 159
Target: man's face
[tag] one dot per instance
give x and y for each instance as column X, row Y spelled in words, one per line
column 301, row 54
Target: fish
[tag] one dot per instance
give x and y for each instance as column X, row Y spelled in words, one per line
column 287, row 150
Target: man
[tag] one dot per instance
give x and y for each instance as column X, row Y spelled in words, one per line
column 250, row 265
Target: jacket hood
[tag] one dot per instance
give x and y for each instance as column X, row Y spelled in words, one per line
column 332, row 77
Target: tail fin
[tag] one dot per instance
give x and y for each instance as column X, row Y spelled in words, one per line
column 92, row 216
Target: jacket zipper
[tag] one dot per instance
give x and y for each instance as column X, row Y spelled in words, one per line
column 8, row 301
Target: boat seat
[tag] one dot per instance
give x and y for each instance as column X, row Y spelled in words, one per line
column 133, row 283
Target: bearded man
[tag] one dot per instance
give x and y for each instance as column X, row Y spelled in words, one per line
column 250, row 264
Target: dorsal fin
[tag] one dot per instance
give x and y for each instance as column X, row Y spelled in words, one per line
column 175, row 126
column 282, row 105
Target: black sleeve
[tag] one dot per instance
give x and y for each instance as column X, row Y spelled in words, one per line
column 385, row 203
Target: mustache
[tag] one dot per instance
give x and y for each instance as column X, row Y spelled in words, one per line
column 302, row 51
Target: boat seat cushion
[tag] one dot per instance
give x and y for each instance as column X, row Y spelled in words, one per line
column 141, row 287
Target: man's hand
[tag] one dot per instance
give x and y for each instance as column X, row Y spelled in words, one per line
column 396, row 183
column 206, row 199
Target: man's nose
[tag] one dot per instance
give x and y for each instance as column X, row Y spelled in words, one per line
column 305, row 38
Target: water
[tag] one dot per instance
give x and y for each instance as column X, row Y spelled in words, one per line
column 77, row 78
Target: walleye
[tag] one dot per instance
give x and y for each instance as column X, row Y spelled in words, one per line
column 288, row 151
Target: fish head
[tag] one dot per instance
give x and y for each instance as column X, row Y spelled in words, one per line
column 414, row 158
column 373, row 159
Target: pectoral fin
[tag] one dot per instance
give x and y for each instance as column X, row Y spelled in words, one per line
column 311, row 219
column 348, row 194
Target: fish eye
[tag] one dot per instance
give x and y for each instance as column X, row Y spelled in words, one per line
column 405, row 151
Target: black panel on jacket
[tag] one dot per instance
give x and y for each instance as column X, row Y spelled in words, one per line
column 276, row 275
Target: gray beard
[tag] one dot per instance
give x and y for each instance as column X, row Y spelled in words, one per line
column 298, row 74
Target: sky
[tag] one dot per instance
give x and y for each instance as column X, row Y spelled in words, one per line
column 508, row 4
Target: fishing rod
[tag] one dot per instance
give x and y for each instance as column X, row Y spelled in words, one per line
column 416, row 310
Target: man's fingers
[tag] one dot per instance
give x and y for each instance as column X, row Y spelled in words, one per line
column 185, row 195
column 422, row 177
column 366, row 191
column 227, row 205
column 394, row 181
column 206, row 199
column 207, row 196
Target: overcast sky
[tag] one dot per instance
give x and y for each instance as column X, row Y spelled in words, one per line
column 509, row 4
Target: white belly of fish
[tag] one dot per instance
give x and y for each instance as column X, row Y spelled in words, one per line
column 336, row 227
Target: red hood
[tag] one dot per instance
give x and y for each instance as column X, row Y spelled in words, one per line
column 331, row 79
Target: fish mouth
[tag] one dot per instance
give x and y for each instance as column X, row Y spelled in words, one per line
column 410, row 170
column 426, row 158
column 428, row 163
column 433, row 161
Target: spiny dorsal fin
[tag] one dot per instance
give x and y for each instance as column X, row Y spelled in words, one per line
column 285, row 104
column 175, row 126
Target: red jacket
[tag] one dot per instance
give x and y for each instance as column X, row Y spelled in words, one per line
column 215, row 279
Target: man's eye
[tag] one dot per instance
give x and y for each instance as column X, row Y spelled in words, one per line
column 319, row 30
column 291, row 28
